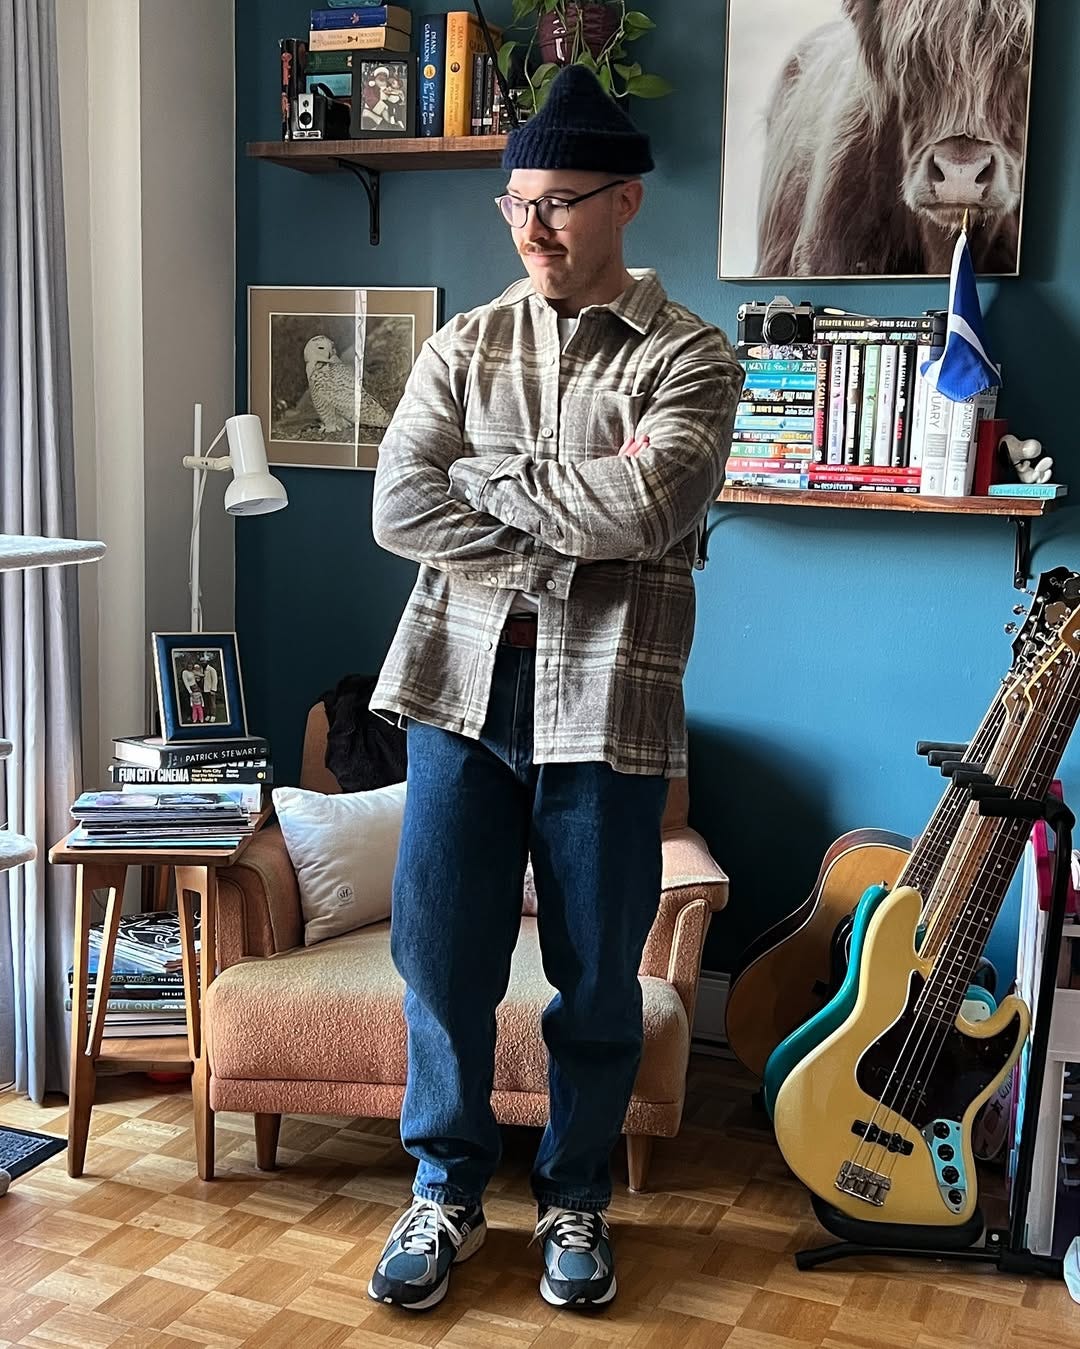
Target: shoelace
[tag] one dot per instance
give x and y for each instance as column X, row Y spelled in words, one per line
column 574, row 1230
column 421, row 1226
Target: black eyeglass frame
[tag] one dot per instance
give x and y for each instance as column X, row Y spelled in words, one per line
column 537, row 202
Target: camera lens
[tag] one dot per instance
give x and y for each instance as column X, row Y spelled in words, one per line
column 779, row 327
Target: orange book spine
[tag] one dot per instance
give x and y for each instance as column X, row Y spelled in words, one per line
column 463, row 40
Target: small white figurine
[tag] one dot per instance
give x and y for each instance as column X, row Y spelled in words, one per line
column 1027, row 459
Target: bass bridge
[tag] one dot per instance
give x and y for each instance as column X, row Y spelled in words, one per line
column 863, row 1183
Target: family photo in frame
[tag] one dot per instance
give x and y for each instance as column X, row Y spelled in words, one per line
column 199, row 689
column 327, row 367
column 858, row 137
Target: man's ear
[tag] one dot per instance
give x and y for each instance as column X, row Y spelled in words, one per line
column 628, row 200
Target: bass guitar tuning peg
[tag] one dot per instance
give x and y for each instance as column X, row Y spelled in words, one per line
column 1019, row 609
column 1010, row 628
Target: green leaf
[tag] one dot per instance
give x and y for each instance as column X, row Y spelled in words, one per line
column 543, row 75
column 505, row 52
column 648, row 86
column 636, row 20
column 628, row 72
column 605, row 79
column 587, row 60
column 522, row 8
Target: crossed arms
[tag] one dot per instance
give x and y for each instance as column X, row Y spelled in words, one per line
column 514, row 521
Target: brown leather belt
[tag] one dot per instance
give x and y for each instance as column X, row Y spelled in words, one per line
column 520, row 630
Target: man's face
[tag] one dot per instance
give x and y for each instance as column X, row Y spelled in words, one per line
column 565, row 262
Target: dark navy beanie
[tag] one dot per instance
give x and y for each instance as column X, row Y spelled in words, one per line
column 579, row 127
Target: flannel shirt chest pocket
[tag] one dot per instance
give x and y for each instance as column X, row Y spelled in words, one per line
column 612, row 420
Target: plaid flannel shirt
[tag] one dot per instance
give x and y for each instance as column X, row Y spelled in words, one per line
column 500, row 473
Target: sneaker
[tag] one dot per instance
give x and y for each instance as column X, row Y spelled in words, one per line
column 579, row 1267
column 414, row 1269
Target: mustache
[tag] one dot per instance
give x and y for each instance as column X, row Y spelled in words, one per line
column 528, row 250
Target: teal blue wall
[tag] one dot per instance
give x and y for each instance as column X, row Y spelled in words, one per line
column 827, row 641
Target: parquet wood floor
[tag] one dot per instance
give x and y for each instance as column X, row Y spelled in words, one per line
column 140, row 1254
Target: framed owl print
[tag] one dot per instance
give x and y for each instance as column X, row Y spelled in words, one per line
column 327, row 367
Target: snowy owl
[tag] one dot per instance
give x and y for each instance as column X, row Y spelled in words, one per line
column 333, row 389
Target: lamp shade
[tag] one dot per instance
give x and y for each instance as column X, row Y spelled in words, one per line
column 253, row 490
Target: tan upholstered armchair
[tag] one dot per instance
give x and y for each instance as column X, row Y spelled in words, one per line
column 319, row 1030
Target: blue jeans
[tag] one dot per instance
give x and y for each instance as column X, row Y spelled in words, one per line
column 474, row 812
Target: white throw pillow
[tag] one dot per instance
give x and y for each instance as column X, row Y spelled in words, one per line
column 343, row 849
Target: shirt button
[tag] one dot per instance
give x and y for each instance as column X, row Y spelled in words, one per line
column 549, row 585
column 546, row 432
column 490, row 646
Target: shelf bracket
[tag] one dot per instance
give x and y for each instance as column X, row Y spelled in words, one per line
column 369, row 180
column 1022, row 564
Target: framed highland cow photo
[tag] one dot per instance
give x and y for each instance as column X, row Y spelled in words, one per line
column 858, row 133
column 327, row 367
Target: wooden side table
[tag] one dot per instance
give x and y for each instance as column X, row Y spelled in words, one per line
column 196, row 885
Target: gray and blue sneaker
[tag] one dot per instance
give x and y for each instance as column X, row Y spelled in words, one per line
column 414, row 1269
column 579, row 1267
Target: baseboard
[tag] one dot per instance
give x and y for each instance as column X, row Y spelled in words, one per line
column 709, row 1035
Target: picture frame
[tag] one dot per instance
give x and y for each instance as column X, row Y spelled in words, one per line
column 384, row 96
column 200, row 694
column 847, row 146
column 327, row 367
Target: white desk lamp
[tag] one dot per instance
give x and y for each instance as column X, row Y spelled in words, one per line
column 253, row 490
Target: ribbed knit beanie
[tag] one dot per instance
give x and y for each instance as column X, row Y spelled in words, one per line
column 579, row 127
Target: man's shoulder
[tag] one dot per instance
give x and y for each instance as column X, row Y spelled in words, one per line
column 688, row 333
column 470, row 323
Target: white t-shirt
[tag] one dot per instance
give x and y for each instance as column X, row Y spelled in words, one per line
column 524, row 602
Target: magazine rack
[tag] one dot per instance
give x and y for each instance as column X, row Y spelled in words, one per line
column 1006, row 1249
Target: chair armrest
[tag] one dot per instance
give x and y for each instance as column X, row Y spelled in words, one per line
column 259, row 910
column 693, row 888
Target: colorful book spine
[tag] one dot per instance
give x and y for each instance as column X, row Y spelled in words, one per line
column 920, row 391
column 851, row 404
column 935, row 450
column 432, row 73
column 293, row 55
column 884, row 413
column 356, row 16
column 329, row 63
column 476, row 96
column 821, row 404
column 463, row 40
column 868, row 407
column 834, row 448
column 905, row 368
column 1045, row 490
column 340, row 85
column 359, row 39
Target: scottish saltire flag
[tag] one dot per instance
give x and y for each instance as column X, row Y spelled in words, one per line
column 964, row 368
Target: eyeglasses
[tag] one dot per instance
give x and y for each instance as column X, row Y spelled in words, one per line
column 552, row 212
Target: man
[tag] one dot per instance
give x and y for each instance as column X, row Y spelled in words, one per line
column 210, row 689
column 550, row 465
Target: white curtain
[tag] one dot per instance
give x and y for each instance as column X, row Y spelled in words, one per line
column 39, row 673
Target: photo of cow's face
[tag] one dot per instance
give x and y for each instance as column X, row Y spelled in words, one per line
column 953, row 76
column 858, row 133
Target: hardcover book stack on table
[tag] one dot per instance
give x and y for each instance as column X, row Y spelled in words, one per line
column 149, row 761
column 146, row 990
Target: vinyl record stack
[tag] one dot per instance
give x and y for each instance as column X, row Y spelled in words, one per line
column 146, row 989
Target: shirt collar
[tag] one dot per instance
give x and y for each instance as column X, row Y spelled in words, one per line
column 637, row 306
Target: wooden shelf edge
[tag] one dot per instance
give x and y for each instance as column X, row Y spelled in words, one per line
column 166, row 1051
column 415, row 153
column 884, row 501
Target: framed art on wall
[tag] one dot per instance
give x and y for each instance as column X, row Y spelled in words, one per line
column 857, row 133
column 327, row 367
column 199, row 690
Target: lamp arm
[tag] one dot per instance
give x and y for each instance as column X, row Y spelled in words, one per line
column 202, row 464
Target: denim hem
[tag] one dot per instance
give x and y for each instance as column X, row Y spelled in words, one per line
column 580, row 1203
column 446, row 1194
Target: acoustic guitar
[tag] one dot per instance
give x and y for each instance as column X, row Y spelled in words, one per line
column 876, row 1120
column 790, row 973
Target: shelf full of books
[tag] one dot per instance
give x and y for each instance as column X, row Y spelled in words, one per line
column 852, row 413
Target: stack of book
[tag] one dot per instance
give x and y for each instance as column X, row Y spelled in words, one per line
column 458, row 89
column 165, row 817
column 361, row 27
column 147, row 761
column 852, row 412
column 146, row 990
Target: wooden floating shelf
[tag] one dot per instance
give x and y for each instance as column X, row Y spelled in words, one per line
column 1012, row 507
column 383, row 156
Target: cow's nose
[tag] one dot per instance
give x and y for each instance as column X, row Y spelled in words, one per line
column 961, row 170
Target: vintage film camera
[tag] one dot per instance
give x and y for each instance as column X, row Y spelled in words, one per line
column 319, row 116
column 778, row 323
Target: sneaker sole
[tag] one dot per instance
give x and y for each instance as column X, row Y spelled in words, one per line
column 551, row 1297
column 466, row 1251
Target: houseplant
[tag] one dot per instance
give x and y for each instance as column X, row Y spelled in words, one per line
column 595, row 35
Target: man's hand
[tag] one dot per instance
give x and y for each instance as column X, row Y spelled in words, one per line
column 633, row 446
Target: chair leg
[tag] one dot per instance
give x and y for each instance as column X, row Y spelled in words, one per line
column 267, row 1129
column 638, row 1156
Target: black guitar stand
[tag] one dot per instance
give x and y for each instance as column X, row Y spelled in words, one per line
column 1005, row 1248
